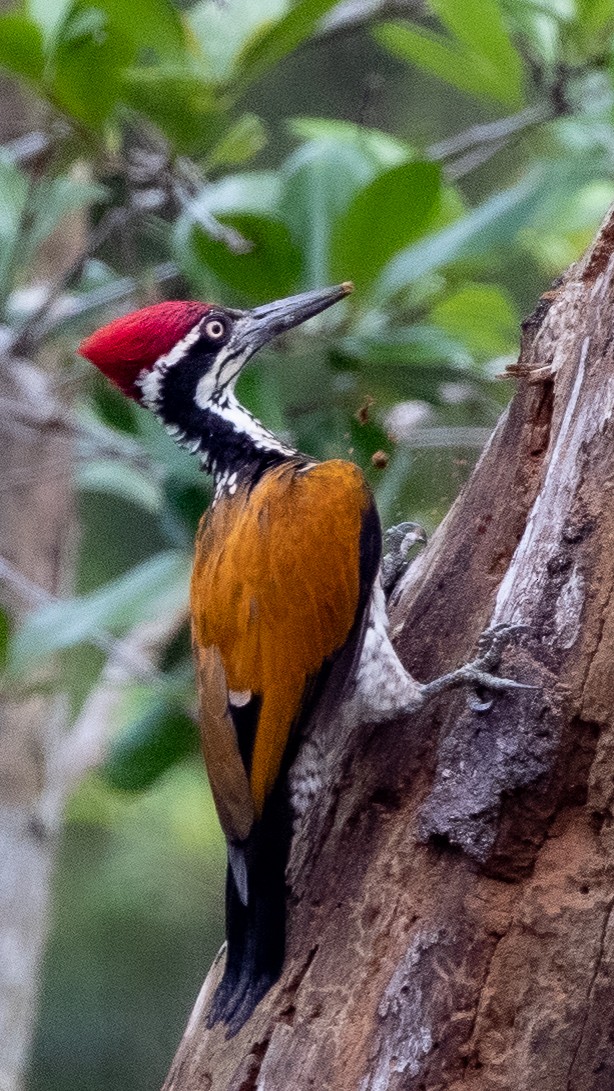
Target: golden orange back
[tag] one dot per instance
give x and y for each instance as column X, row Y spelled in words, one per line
column 275, row 589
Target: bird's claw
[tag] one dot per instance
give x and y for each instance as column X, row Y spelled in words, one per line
column 479, row 672
column 398, row 542
column 492, row 642
column 474, row 704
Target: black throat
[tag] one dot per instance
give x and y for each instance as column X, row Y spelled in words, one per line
column 235, row 446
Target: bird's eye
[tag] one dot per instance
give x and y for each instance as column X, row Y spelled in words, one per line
column 215, row 329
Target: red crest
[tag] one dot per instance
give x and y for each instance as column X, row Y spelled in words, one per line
column 129, row 344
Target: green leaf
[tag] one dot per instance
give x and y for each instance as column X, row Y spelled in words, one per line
column 269, row 270
column 479, row 25
column 274, row 42
column 94, row 43
column 381, row 148
column 493, row 224
column 21, row 46
column 186, row 500
column 258, row 192
column 390, row 212
column 157, row 585
column 223, row 30
column 364, row 440
column 147, row 24
column 145, row 750
column 321, row 179
column 467, row 71
column 113, row 409
column 482, row 317
column 120, row 479
column 260, row 391
column 49, row 17
column 594, row 15
column 158, row 445
column 181, row 104
column 405, row 346
column 87, row 63
column 242, row 142
column 85, row 23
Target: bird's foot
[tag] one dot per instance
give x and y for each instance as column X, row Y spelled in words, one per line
column 478, row 672
column 398, row 542
column 492, row 642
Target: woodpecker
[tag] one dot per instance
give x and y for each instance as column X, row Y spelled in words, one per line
column 287, row 601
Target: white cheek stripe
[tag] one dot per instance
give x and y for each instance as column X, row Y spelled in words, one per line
column 150, row 379
column 214, row 392
column 218, row 377
column 229, row 409
column 150, row 383
column 180, row 348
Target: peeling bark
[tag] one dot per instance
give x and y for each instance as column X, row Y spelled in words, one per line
column 451, row 921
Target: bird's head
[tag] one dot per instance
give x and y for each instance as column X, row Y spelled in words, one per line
column 181, row 359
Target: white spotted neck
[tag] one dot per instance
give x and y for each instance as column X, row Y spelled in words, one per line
column 207, row 420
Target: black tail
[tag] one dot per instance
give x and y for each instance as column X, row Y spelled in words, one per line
column 255, row 932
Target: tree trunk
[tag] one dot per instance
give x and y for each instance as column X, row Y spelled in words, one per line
column 451, row 917
column 37, row 529
column 36, row 523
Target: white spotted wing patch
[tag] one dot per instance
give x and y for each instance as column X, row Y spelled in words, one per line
column 238, row 698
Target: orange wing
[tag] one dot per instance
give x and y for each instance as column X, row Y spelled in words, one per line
column 227, row 775
column 275, row 589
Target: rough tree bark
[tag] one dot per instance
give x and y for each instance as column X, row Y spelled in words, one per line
column 451, row 918
column 36, row 528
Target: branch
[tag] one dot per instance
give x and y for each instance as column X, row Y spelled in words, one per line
column 25, row 148
column 154, row 179
column 32, row 332
column 34, row 406
column 70, row 307
column 491, row 132
column 84, row 747
column 127, row 652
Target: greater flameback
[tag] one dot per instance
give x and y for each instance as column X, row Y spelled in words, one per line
column 288, row 610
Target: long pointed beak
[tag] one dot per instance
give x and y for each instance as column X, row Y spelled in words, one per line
column 264, row 323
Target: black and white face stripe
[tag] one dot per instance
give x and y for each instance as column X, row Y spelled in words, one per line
column 221, row 376
column 223, row 361
column 191, row 390
column 151, row 381
column 230, row 412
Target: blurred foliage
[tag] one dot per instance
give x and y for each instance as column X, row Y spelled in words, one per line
column 464, row 158
column 139, row 912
